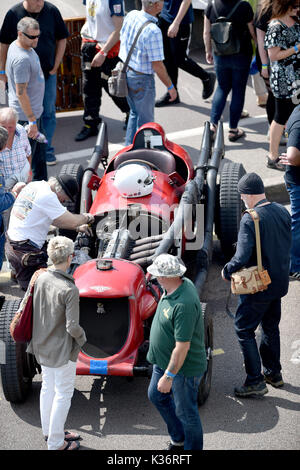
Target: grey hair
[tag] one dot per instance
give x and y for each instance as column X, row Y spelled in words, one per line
column 7, row 113
column 26, row 23
column 59, row 249
column 3, row 137
column 57, row 186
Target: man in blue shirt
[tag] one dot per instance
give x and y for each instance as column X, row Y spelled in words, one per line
column 146, row 59
column 262, row 308
column 292, row 180
column 175, row 23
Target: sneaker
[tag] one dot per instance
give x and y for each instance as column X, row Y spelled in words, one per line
column 274, row 380
column 175, row 447
column 86, row 131
column 245, row 114
column 295, row 276
column 208, row 85
column 275, row 164
column 165, row 101
column 255, row 390
column 51, row 160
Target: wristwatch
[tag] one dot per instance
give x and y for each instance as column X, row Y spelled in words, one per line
column 169, row 379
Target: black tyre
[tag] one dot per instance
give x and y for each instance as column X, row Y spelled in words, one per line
column 230, row 207
column 16, row 370
column 205, row 384
column 76, row 171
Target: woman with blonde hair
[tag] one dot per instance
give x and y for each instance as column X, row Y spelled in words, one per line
column 56, row 341
column 282, row 41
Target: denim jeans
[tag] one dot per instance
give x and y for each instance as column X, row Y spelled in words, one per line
column 232, row 74
column 294, row 192
column 141, row 100
column 48, row 116
column 250, row 313
column 179, row 408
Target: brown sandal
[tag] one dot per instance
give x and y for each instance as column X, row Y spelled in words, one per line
column 236, row 135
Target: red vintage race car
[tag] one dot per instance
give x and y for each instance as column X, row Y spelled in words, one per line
column 150, row 199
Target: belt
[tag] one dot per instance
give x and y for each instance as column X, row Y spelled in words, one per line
column 139, row 73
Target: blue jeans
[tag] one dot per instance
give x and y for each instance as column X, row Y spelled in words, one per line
column 232, row 75
column 179, row 408
column 48, row 116
column 294, row 192
column 141, row 100
column 250, row 313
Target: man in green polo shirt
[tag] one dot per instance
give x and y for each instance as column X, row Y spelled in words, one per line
column 177, row 352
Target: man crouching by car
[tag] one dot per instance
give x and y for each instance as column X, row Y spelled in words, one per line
column 38, row 206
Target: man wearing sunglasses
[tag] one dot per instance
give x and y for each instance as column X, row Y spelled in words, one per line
column 26, row 86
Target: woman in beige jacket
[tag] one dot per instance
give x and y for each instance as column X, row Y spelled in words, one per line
column 56, row 341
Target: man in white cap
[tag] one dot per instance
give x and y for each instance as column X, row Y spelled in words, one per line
column 177, row 352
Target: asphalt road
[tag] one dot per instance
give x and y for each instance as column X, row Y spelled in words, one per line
column 114, row 414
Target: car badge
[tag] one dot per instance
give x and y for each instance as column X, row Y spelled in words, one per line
column 100, row 288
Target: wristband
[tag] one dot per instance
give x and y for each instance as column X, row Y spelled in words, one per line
column 170, row 87
column 264, row 66
column 170, row 374
column 296, row 48
column 102, row 52
column 2, row 72
column 31, row 122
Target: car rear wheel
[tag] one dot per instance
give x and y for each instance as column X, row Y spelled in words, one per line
column 229, row 208
column 205, row 384
column 75, row 170
column 16, row 365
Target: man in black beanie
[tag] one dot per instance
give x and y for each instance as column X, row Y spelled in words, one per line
column 262, row 308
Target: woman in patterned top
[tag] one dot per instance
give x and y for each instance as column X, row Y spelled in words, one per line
column 282, row 41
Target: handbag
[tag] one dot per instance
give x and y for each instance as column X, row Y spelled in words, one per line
column 117, row 82
column 256, row 278
column 224, row 38
column 21, row 325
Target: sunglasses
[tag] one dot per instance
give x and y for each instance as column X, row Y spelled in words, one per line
column 29, row 36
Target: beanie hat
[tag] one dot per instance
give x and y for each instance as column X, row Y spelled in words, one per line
column 251, row 183
column 69, row 185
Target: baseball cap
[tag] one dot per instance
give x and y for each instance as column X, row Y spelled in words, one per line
column 69, row 185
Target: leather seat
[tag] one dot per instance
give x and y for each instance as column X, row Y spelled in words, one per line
column 160, row 160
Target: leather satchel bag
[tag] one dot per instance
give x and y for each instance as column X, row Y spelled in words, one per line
column 117, row 83
column 21, row 325
column 224, row 38
column 256, row 278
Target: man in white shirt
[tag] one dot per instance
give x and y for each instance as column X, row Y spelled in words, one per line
column 38, row 206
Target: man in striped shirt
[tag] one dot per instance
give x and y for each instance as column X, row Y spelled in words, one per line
column 15, row 158
column 146, row 59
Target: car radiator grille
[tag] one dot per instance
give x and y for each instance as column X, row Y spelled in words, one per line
column 106, row 325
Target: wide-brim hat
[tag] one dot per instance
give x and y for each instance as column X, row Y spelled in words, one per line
column 69, row 185
column 166, row 265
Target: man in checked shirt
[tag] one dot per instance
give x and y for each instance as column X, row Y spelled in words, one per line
column 146, row 59
column 15, row 157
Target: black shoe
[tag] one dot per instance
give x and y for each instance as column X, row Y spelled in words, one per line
column 175, row 447
column 248, row 391
column 208, row 85
column 165, row 101
column 295, row 276
column 274, row 380
column 86, row 131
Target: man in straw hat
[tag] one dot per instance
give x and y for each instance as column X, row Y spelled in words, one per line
column 262, row 308
column 177, row 352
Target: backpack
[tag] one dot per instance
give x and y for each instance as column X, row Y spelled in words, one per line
column 225, row 40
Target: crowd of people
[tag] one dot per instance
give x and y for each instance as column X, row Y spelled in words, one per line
column 32, row 44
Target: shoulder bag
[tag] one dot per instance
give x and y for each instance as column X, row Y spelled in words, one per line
column 117, row 83
column 21, row 325
column 256, row 278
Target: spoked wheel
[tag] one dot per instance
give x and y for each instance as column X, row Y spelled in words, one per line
column 17, row 368
column 229, row 208
column 205, row 384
